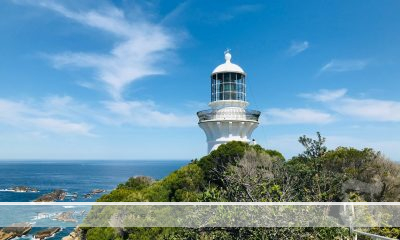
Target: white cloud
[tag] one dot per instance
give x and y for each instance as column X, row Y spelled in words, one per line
column 369, row 109
column 344, row 65
column 233, row 12
column 146, row 114
column 62, row 115
column 363, row 109
column 140, row 48
column 325, row 95
column 297, row 47
column 26, row 116
column 62, row 126
column 297, row 116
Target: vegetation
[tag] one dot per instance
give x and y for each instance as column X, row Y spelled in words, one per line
column 238, row 172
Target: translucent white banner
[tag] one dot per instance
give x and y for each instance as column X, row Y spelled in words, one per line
column 198, row 215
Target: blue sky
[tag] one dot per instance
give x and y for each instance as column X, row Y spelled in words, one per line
column 124, row 79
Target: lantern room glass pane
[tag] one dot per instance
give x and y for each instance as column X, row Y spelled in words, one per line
column 228, row 86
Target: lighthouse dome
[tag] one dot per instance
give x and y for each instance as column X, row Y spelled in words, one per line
column 228, row 66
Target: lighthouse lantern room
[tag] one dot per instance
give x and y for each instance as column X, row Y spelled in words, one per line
column 228, row 119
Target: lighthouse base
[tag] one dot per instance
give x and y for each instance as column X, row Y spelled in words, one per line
column 223, row 131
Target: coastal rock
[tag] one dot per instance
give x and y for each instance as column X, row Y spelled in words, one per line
column 87, row 195
column 74, row 235
column 20, row 189
column 24, row 189
column 15, row 230
column 93, row 192
column 66, row 217
column 46, row 233
column 97, row 191
column 57, row 194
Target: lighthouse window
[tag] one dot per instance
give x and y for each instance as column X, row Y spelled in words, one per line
column 226, row 77
column 228, row 86
column 226, row 96
column 233, row 77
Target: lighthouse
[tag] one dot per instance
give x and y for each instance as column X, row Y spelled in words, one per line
column 228, row 118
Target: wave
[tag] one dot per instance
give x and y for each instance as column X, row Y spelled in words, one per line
column 7, row 190
column 44, row 215
column 12, row 190
column 25, row 237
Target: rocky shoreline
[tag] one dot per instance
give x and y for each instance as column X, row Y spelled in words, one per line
column 20, row 229
column 46, row 233
column 94, row 192
column 56, row 195
column 15, row 230
column 66, row 217
column 74, row 235
column 21, row 189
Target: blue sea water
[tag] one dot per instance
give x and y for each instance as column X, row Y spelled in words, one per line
column 75, row 176
column 79, row 177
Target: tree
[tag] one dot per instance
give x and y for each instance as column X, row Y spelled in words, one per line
column 313, row 148
column 257, row 176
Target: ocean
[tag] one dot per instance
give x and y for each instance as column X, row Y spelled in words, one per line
column 75, row 177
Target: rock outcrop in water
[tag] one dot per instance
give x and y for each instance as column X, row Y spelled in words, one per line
column 57, row 194
column 15, row 230
column 24, row 189
column 46, row 233
column 21, row 189
column 94, row 192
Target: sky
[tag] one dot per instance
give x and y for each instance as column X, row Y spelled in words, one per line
column 124, row 79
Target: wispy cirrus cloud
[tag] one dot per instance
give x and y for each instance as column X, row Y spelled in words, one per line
column 41, row 117
column 325, row 95
column 367, row 109
column 63, row 115
column 297, row 48
column 297, row 116
column 337, row 65
column 140, row 46
column 145, row 114
column 336, row 105
column 238, row 10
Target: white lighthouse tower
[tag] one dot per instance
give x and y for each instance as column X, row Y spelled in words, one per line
column 228, row 119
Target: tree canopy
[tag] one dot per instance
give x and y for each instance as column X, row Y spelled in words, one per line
column 238, row 172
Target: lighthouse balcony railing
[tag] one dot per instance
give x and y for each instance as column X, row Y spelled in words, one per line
column 250, row 115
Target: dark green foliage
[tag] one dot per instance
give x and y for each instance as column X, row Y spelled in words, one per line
column 184, row 184
column 217, row 160
column 117, row 195
column 240, row 172
column 271, row 153
column 102, row 234
column 137, row 183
